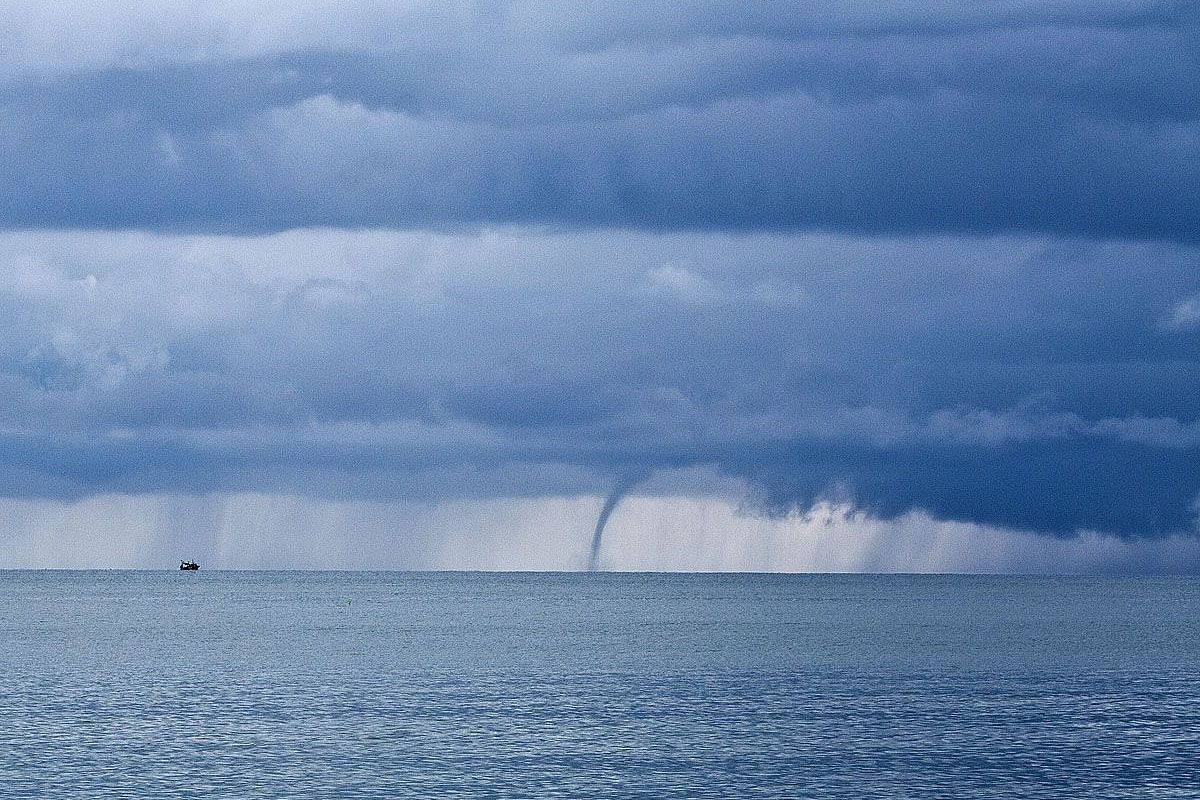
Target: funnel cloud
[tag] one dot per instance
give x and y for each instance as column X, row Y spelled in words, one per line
column 623, row 487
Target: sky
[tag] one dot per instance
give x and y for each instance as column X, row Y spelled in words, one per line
column 909, row 286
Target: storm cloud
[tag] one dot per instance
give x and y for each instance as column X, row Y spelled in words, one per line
column 1077, row 119
column 1021, row 382
column 932, row 264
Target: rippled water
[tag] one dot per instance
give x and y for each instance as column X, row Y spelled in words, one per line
column 344, row 685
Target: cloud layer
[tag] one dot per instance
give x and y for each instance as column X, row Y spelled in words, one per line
column 933, row 263
column 1020, row 382
column 1069, row 118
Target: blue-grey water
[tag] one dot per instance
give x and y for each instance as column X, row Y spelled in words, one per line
column 347, row 685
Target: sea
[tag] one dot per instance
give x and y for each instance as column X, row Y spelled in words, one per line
column 481, row 685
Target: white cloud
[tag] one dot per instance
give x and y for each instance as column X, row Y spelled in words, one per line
column 42, row 36
column 681, row 284
column 1185, row 315
column 52, row 37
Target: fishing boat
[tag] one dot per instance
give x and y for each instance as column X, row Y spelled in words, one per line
column 188, row 565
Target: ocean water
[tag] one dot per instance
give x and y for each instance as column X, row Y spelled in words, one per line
column 383, row 685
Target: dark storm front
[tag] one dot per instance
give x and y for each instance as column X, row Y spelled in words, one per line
column 462, row 685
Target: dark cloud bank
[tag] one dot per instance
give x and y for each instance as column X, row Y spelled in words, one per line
column 1075, row 118
column 1022, row 382
column 999, row 324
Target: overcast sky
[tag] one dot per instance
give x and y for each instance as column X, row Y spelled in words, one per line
column 900, row 286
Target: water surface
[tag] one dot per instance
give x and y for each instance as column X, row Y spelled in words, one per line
column 346, row 685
